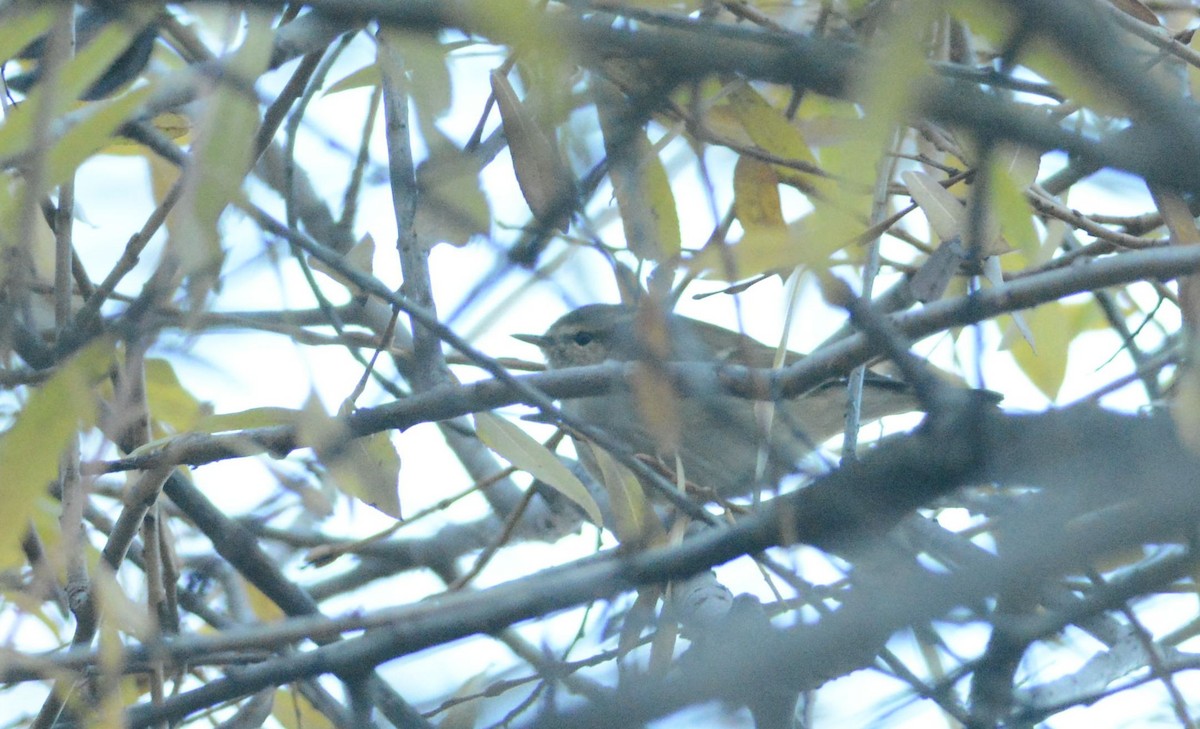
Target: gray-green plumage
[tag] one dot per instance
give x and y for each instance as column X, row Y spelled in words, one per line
column 720, row 436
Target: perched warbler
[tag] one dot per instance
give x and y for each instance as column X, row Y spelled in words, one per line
column 722, row 442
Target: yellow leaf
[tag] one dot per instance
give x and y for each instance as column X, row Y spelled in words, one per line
column 221, row 156
column 91, row 133
column 173, row 124
column 366, row 468
column 634, row 517
column 169, row 401
column 451, row 207
column 22, row 25
column 946, row 214
column 756, row 194
column 723, row 121
column 77, row 75
column 263, row 417
column 93, row 60
column 293, row 711
column 760, row 249
column 767, row 244
column 1076, row 83
column 1013, row 215
column 639, row 181
column 262, row 606
column 1053, row 327
column 365, row 77
column 30, row 449
column 775, row 134
column 360, row 258
column 519, row 449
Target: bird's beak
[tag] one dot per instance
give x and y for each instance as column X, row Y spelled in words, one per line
column 536, row 340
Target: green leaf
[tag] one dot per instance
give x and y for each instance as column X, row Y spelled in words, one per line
column 451, row 207
column 521, row 450
column 429, row 78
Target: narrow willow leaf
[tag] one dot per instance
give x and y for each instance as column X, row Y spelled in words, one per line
column 775, row 134
column 90, row 63
column 639, row 180
column 521, row 450
column 30, row 449
column 169, row 401
column 222, row 155
column 92, row 133
column 77, row 75
column 946, row 214
column 21, row 25
column 635, row 522
column 541, row 173
column 262, row 417
column 365, row 77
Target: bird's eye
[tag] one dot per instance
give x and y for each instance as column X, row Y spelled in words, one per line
column 583, row 339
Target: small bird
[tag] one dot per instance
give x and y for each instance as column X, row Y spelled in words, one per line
column 721, row 440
